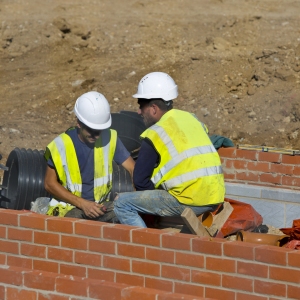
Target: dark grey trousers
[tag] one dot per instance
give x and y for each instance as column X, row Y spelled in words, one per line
column 109, row 216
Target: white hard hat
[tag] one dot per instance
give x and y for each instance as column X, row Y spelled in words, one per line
column 93, row 110
column 157, row 85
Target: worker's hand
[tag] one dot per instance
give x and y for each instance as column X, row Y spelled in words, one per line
column 91, row 209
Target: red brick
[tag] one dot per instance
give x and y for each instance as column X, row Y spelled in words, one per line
column 204, row 277
column 282, row 169
column 72, row 285
column 290, row 181
column 18, row 261
column 289, row 159
column 19, row 234
column 176, row 272
column 3, row 232
column 74, row 242
column 33, row 250
column 246, row 154
column 271, row 178
column 296, row 170
column 189, row 289
column 15, row 293
column 47, row 266
column 239, row 250
column 101, row 246
column 40, row 280
column 191, row 260
column 117, row 232
column 2, row 259
column 177, row 241
column 247, row 176
column 9, row 247
column 120, row 264
column 242, row 296
column 294, row 259
column 48, row 296
column 221, row 294
column 210, row 246
column 228, row 164
column 145, row 267
column 237, row 283
column 130, row 279
column 229, row 176
column 272, row 255
column 101, row 274
column 159, row 284
column 86, row 258
column 137, row 293
column 11, row 275
column 173, row 296
column 131, row 250
column 219, row 264
column 35, row 221
column 268, row 156
column 46, row 238
column 9, row 217
column 160, row 255
column 259, row 166
column 227, row 152
column 240, row 164
column 88, row 228
column 293, row 292
column 2, row 292
column 284, row 274
column 105, row 290
column 252, row 269
column 270, row 288
column 60, row 254
column 147, row 236
column 64, row 225
column 74, row 270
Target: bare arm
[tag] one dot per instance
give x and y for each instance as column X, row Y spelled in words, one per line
column 53, row 187
column 128, row 164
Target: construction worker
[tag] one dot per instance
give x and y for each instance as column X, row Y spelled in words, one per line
column 79, row 171
column 177, row 166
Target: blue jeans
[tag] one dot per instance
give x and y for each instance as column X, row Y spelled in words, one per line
column 153, row 202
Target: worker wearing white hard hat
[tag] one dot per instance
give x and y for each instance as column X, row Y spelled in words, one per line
column 177, row 165
column 79, row 171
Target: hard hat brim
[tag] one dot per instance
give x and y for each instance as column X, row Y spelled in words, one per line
column 96, row 126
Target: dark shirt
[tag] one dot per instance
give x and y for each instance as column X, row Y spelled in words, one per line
column 147, row 160
column 85, row 156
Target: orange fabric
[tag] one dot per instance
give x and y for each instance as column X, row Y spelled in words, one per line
column 243, row 217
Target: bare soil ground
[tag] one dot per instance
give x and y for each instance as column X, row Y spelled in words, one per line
column 236, row 62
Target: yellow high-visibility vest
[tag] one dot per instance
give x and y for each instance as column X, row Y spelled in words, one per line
column 189, row 167
column 64, row 157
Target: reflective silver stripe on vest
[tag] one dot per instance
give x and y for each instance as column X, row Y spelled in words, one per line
column 103, row 180
column 169, row 184
column 180, row 157
column 62, row 151
column 105, row 135
column 166, row 140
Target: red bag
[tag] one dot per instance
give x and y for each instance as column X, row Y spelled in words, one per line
column 243, row 217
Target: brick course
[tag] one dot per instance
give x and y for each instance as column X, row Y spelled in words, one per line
column 126, row 262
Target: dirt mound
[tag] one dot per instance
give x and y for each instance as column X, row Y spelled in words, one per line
column 236, row 62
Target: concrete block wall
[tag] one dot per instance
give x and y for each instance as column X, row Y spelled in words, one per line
column 270, row 182
column 73, row 254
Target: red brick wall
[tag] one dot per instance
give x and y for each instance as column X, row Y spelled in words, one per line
column 62, row 257
column 262, row 168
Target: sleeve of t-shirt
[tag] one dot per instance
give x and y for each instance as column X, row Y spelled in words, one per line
column 121, row 153
column 144, row 166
